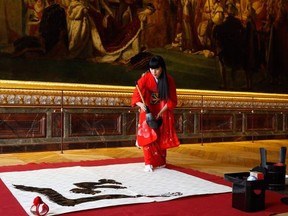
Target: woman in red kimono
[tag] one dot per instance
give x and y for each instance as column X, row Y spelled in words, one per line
column 159, row 93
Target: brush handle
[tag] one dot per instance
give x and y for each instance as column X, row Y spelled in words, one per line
column 140, row 93
column 147, row 108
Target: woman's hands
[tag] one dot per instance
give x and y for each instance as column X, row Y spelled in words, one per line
column 142, row 106
column 159, row 115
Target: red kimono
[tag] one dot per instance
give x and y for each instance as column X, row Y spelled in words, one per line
column 155, row 142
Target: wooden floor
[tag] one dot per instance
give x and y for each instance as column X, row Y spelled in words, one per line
column 213, row 158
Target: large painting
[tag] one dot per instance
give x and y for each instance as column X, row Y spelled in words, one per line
column 233, row 45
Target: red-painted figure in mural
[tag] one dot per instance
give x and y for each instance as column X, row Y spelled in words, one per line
column 159, row 94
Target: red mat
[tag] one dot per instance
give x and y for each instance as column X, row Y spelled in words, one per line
column 217, row 204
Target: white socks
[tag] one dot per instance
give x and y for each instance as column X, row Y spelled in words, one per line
column 148, row 168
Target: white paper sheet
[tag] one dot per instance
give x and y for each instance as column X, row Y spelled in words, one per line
column 160, row 185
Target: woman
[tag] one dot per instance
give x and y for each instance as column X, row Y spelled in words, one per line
column 159, row 93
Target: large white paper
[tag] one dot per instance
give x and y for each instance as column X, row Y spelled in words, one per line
column 139, row 186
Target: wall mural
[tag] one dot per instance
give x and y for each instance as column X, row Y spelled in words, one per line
column 235, row 45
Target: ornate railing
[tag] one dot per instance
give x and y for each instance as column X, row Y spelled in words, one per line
column 48, row 116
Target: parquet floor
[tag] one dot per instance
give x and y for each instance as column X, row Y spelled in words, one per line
column 214, row 158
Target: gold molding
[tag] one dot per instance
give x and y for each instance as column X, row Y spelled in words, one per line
column 34, row 85
column 32, row 93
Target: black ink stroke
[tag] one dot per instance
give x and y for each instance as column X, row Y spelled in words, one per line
column 88, row 188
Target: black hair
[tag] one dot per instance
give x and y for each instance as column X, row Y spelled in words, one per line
column 156, row 62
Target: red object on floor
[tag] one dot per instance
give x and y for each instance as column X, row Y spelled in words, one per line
column 201, row 205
